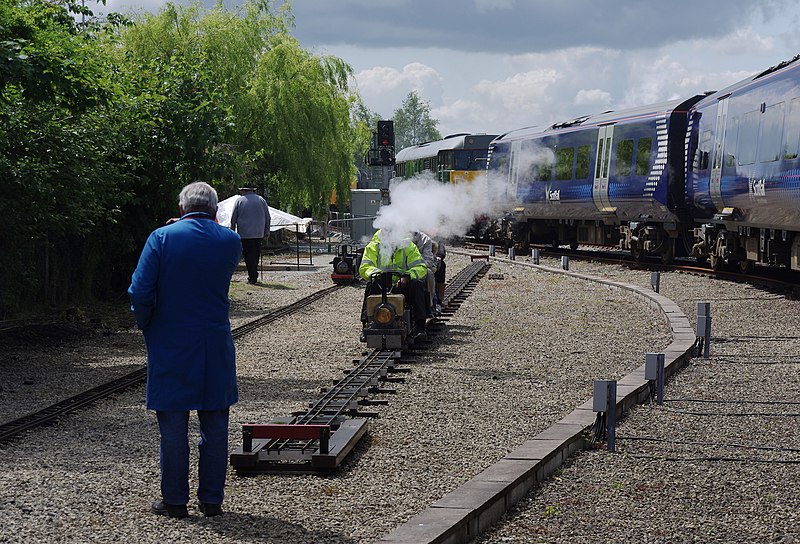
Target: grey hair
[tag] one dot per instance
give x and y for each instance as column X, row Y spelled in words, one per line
column 199, row 197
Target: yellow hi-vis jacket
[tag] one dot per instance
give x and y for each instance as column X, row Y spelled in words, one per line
column 405, row 260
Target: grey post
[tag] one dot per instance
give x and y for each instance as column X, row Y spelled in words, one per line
column 535, row 256
column 511, row 253
column 654, row 371
column 655, row 281
column 564, row 262
column 704, row 327
column 491, row 250
column 605, row 400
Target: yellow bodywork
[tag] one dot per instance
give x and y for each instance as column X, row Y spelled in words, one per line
column 398, row 301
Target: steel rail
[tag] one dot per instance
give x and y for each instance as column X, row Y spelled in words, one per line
column 341, row 400
column 50, row 414
column 770, row 277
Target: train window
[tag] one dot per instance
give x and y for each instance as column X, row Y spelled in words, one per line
column 446, row 160
column 582, row 164
column 731, row 135
column 544, row 166
column 643, row 148
column 564, row 158
column 748, row 137
column 622, row 167
column 771, row 133
column 703, row 152
column 790, row 149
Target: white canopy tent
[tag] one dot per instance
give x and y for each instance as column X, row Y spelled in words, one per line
column 277, row 219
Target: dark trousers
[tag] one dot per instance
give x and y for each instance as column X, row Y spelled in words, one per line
column 251, row 249
column 415, row 298
column 441, row 272
column 213, row 446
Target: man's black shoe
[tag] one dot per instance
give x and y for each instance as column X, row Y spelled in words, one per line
column 173, row 511
column 419, row 336
column 209, row 510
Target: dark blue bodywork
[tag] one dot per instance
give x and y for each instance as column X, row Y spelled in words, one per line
column 751, row 132
column 649, row 186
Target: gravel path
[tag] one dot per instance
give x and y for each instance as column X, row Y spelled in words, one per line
column 718, row 462
column 520, row 353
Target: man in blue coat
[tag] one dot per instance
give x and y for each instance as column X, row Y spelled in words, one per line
column 179, row 297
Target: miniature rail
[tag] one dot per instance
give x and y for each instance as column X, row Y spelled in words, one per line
column 49, row 415
column 319, row 439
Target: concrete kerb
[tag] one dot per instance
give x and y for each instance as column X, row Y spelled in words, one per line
column 460, row 516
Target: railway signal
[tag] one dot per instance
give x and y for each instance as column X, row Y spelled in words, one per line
column 382, row 152
column 386, row 134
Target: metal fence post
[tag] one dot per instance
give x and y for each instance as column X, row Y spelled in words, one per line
column 704, row 327
column 654, row 371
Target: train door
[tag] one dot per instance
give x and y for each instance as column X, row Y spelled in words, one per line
column 718, row 155
column 601, row 168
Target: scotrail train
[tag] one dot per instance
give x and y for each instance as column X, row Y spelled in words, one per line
column 714, row 176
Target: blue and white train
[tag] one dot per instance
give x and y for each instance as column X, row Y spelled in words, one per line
column 715, row 176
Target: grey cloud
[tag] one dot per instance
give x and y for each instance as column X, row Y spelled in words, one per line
column 529, row 25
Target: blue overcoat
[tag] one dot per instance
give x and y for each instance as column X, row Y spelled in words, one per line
column 179, row 297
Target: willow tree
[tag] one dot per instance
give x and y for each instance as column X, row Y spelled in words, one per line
column 300, row 124
column 282, row 115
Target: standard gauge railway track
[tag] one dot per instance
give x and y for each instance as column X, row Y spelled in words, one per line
column 318, row 439
column 780, row 280
column 49, row 415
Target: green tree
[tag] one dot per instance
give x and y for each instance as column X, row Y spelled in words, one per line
column 101, row 124
column 60, row 172
column 413, row 123
column 299, row 125
column 283, row 114
column 365, row 121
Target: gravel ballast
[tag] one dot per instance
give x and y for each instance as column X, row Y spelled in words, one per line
column 519, row 354
column 718, row 462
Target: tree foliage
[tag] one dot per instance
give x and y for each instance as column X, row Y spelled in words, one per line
column 60, row 174
column 299, row 124
column 102, row 123
column 413, row 123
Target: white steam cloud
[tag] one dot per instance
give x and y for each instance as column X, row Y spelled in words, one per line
column 441, row 210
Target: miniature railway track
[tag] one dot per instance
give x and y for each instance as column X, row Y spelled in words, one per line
column 317, row 440
column 52, row 413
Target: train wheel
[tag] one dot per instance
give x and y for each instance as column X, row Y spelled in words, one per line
column 573, row 245
column 746, row 266
column 668, row 255
column 717, row 262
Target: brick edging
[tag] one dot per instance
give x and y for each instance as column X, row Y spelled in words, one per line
column 461, row 515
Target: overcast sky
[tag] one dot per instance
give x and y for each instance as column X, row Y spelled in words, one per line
column 497, row 65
